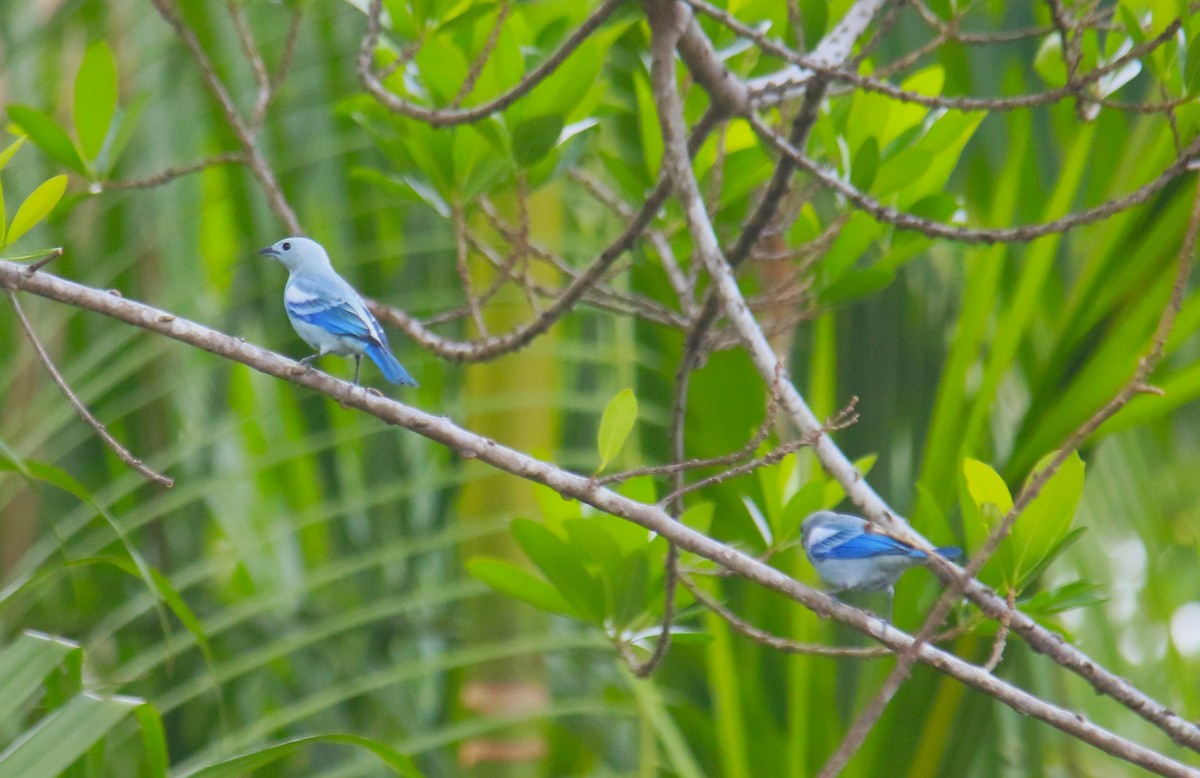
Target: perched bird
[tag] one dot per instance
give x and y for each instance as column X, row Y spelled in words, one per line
column 850, row 557
column 327, row 313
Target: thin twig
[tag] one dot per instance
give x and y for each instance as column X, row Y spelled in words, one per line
column 464, row 273
column 468, row 84
column 1001, row 634
column 254, row 158
column 81, row 409
column 936, row 229
column 170, row 174
column 254, row 57
column 844, row 418
column 497, row 345
column 44, row 260
column 446, row 117
column 789, row 646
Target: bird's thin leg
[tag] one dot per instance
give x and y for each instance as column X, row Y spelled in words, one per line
column 891, row 593
column 307, row 361
column 357, row 364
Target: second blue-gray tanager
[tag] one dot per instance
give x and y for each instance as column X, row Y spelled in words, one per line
column 849, row 556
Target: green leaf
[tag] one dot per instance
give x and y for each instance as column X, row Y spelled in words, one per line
column 7, row 154
column 1191, row 75
column 154, row 741
column 64, row 735
column 477, row 165
column 47, row 136
column 32, row 256
column 39, row 203
column 562, row 568
column 95, row 98
column 533, row 139
column 630, row 589
column 834, row 493
column 856, row 284
column 1132, row 26
column 1049, row 62
column 986, row 486
column 899, row 170
column 592, row 543
column 126, row 124
column 1046, row 520
column 615, row 425
column 509, row 579
column 248, row 764
column 1077, row 594
column 855, row 239
column 865, row 165
column 699, row 516
column 803, row 504
column 1068, row 540
column 648, row 127
column 24, row 664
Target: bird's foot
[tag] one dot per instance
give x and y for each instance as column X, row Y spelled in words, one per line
column 304, row 365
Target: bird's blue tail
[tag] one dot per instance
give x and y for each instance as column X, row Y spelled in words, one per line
column 950, row 552
column 392, row 369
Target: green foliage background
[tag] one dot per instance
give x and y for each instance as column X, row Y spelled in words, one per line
column 322, row 556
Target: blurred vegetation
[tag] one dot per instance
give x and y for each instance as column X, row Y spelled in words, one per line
column 314, row 574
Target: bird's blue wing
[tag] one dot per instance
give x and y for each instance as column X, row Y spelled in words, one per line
column 333, row 315
column 853, row 544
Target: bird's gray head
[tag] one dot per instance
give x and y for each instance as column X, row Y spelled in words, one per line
column 821, row 519
column 297, row 253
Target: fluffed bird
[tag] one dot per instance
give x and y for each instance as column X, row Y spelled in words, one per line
column 327, row 313
column 849, row 556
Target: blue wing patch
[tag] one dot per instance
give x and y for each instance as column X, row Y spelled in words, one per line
column 337, row 318
column 850, row 544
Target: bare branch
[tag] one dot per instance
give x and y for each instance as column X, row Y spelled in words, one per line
column 1002, row 634
column 935, row 229
column 172, row 173
column 468, row 84
column 498, row 345
column 834, row 49
column 762, row 637
column 254, row 158
column 44, row 260
column 452, row 116
column 81, row 409
column 464, row 274
column 790, row 82
column 254, row 57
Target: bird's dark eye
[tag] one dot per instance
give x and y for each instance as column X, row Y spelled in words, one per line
column 287, row 246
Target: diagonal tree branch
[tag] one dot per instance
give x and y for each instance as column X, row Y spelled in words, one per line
column 666, row 28
column 1137, row 384
column 254, row 158
column 122, row 453
column 581, row 488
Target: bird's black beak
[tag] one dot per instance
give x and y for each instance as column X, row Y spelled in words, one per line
column 269, row 251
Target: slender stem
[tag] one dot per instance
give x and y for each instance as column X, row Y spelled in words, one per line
column 122, row 453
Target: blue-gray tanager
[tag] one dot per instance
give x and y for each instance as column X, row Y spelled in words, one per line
column 327, row 313
column 850, row 557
